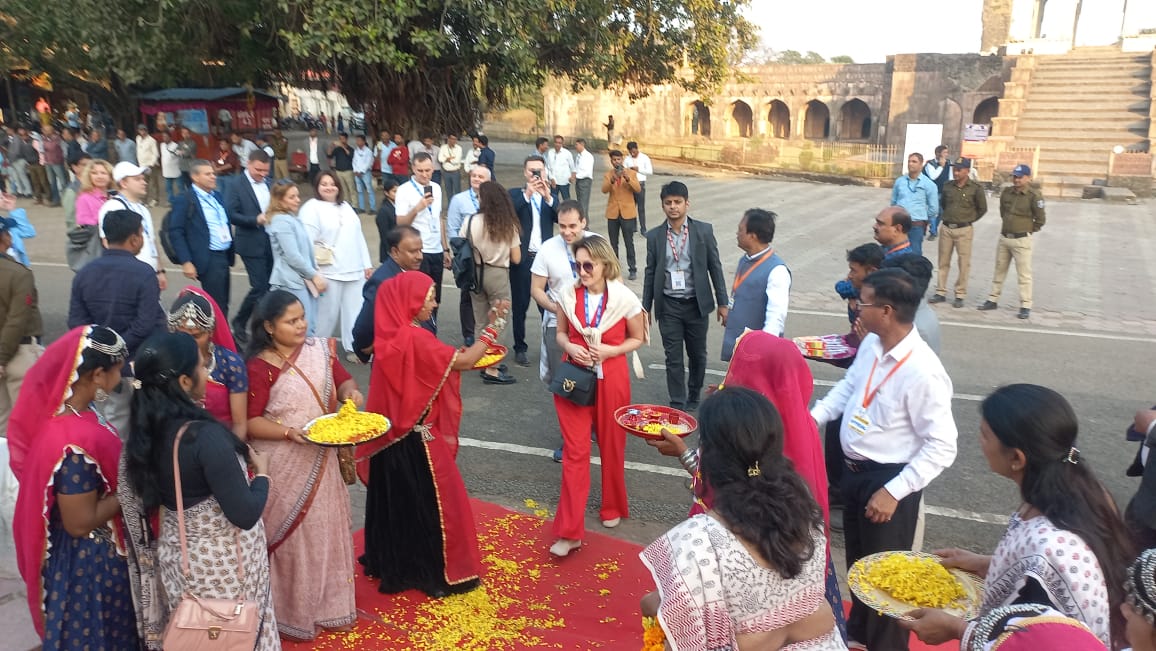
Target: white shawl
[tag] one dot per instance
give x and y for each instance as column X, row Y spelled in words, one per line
column 620, row 302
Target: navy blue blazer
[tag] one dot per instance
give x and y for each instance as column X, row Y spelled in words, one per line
column 546, row 221
column 249, row 238
column 189, row 231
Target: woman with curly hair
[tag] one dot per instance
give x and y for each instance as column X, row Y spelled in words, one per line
column 749, row 572
column 495, row 233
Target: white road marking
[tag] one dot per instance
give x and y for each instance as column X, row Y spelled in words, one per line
column 986, row 326
column 942, row 511
column 819, row 383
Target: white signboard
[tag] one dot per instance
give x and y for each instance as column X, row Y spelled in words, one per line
column 922, row 139
column 976, row 132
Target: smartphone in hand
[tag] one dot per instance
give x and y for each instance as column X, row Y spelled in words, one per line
column 429, row 191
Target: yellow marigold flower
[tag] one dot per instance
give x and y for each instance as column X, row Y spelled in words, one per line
column 919, row 581
column 348, row 426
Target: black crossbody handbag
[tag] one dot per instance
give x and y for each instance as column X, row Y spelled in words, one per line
column 574, row 383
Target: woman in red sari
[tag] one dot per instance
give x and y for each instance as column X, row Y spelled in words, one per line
column 67, row 525
column 196, row 314
column 774, row 367
column 600, row 323
column 419, row 528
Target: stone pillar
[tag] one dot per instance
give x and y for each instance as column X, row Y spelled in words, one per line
column 997, row 15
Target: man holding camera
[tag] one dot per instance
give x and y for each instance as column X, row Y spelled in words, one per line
column 621, row 184
column 418, row 203
column 534, row 205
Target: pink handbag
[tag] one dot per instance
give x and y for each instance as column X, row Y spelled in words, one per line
column 211, row 624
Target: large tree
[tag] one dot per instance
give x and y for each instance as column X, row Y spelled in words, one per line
column 411, row 64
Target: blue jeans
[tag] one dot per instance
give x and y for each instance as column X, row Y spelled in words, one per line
column 933, row 225
column 364, row 183
column 916, row 237
column 173, row 187
column 57, row 179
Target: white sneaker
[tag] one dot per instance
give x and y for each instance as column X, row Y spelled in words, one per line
column 610, row 524
column 564, row 546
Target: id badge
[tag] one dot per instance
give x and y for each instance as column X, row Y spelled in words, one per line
column 859, row 422
column 678, row 280
column 224, row 234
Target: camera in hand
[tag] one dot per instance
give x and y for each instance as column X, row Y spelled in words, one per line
column 619, row 168
column 429, row 190
column 537, row 173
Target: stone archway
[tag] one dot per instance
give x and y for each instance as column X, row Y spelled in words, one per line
column 985, row 111
column 855, row 120
column 699, row 119
column 779, row 118
column 817, row 121
column 742, row 121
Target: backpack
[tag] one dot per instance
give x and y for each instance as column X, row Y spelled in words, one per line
column 163, row 236
column 467, row 272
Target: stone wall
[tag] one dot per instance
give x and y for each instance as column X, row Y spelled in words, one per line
column 940, row 89
column 997, row 16
column 866, row 103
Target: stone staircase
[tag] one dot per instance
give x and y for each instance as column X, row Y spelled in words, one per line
column 1076, row 108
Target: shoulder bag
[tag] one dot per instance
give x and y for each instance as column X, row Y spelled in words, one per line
column 575, row 383
column 322, row 253
column 345, row 455
column 465, row 268
column 200, row 624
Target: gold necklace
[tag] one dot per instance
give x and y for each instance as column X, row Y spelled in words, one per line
column 72, row 409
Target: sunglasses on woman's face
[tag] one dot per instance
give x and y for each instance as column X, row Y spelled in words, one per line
column 587, row 267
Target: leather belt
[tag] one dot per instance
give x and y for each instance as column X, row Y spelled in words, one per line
column 1015, row 236
column 956, row 225
column 866, row 465
column 33, row 339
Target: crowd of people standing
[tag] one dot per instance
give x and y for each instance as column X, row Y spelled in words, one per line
column 145, row 426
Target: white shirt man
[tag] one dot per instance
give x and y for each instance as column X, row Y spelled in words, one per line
column 553, row 268
column 450, row 156
column 242, row 147
column 314, row 148
column 560, row 165
column 426, row 219
column 583, row 174
column 897, row 432
column 640, row 163
column 132, row 189
column 260, row 190
column 170, row 160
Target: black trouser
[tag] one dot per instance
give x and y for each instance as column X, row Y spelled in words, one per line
column 520, row 299
column 682, row 326
column 314, row 170
column 833, row 457
column 864, row 538
column 626, row 227
column 466, row 315
column 215, row 279
column 434, row 266
column 258, row 267
column 640, row 201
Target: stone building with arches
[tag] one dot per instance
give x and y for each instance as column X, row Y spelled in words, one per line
column 858, row 103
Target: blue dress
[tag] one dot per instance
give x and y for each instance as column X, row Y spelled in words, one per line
column 87, row 600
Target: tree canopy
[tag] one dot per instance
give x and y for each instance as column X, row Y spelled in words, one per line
column 428, row 65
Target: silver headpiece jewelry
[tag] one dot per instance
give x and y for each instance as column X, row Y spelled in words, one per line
column 1140, row 586
column 191, row 316
column 117, row 350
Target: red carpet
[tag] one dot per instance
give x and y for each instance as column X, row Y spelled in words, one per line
column 528, row 599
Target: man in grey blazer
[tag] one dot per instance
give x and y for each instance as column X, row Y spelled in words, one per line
column 684, row 282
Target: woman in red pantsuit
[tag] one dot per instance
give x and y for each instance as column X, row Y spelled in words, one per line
column 600, row 323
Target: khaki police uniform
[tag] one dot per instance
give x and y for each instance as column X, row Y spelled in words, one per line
column 1022, row 211
column 962, row 206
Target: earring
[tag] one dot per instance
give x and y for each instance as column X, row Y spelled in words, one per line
column 101, row 395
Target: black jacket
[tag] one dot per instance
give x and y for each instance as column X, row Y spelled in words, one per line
column 525, row 213
column 704, row 260
column 249, row 238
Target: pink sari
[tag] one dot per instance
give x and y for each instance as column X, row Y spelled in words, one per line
column 307, row 517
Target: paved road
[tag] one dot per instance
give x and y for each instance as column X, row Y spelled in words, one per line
column 1092, row 337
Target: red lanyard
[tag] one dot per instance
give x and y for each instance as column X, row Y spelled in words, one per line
column 868, row 393
column 740, row 278
column 900, row 247
column 670, row 239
